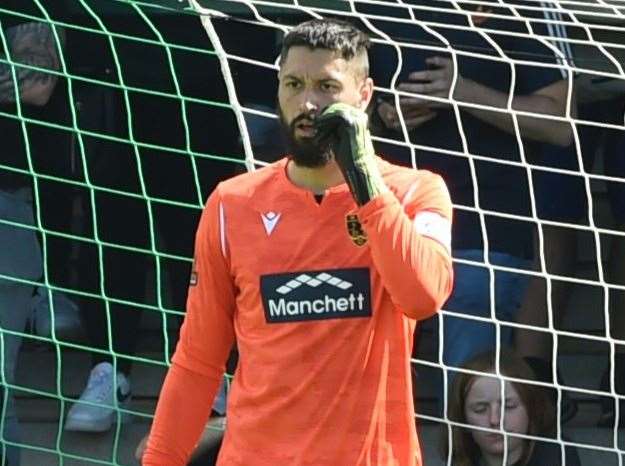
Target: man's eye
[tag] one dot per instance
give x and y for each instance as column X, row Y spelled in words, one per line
column 328, row 87
column 292, row 84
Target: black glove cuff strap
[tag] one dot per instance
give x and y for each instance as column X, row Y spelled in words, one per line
column 358, row 183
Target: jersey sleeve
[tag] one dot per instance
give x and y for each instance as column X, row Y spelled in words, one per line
column 206, row 338
column 207, row 333
column 410, row 245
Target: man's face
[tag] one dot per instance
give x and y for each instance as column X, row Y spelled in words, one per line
column 309, row 81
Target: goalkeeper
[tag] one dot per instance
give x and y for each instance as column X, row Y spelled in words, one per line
column 319, row 265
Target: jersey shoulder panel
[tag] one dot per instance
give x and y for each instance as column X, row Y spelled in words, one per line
column 246, row 186
column 404, row 180
column 417, row 190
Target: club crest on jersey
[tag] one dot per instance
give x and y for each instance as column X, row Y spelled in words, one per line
column 355, row 231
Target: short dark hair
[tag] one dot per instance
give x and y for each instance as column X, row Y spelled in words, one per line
column 330, row 34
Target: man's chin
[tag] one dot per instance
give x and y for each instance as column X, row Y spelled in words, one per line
column 307, row 161
column 310, row 157
column 304, row 150
column 304, row 135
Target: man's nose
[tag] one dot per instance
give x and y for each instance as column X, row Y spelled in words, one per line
column 309, row 102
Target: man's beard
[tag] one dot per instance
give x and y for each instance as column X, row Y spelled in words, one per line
column 305, row 152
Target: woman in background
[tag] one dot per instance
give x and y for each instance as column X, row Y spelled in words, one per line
column 476, row 400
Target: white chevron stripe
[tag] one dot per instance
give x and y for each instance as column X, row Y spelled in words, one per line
column 313, row 282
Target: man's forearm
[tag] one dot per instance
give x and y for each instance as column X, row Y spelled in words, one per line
column 539, row 129
column 415, row 269
column 184, row 406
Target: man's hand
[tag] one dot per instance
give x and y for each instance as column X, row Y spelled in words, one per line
column 415, row 112
column 345, row 128
column 434, row 82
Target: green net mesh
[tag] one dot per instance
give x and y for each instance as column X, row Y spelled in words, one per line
column 116, row 166
column 155, row 102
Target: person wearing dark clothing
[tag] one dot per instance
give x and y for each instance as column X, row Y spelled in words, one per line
column 612, row 141
column 475, row 404
column 26, row 100
column 478, row 151
column 149, row 186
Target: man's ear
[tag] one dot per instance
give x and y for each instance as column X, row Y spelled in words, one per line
column 366, row 93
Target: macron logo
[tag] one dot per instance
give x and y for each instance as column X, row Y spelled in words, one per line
column 313, row 282
column 270, row 220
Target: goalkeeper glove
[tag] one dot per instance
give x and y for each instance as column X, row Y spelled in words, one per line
column 344, row 128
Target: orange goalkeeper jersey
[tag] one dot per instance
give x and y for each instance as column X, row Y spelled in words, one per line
column 322, row 300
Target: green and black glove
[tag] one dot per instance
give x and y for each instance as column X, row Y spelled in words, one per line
column 344, row 128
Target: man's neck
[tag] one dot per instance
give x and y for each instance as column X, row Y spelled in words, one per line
column 317, row 179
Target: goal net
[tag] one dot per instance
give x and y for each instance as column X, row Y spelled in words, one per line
column 518, row 104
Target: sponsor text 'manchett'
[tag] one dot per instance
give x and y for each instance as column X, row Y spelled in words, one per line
column 310, row 295
column 283, row 307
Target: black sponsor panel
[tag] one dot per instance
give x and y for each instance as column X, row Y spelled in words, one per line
column 316, row 295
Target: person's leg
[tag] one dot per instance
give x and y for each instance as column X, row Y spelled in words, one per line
column 112, row 322
column 559, row 198
column 560, row 255
column 125, row 277
column 614, row 164
column 510, row 288
column 122, row 221
column 464, row 338
column 14, row 302
column 20, row 259
column 57, row 208
column 113, row 328
column 14, row 311
column 616, row 275
column 535, row 346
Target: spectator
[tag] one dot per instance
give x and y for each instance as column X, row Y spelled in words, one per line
column 491, row 148
column 612, row 141
column 563, row 198
column 27, row 44
column 130, row 271
column 122, row 221
column 559, row 198
column 475, row 400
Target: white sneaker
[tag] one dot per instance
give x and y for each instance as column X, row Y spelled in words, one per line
column 104, row 401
